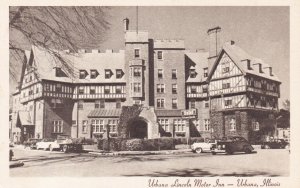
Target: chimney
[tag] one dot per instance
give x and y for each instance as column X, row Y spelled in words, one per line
column 214, row 45
column 126, row 24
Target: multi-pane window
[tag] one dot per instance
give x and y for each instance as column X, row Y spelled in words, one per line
column 113, row 125
column 100, row 104
column 160, row 73
column 58, row 87
column 57, row 126
column 94, row 74
column 225, row 68
column 204, row 89
column 193, row 89
column 137, row 87
column 30, row 92
column 82, row 74
column 106, row 89
column 164, row 123
column 174, row 88
column 119, row 73
column 160, row 88
column 193, row 104
column 174, row 74
column 81, row 90
column 92, row 90
column 160, row 103
column 136, row 53
column 107, row 73
column 74, row 122
column 137, row 71
column 84, row 126
column 225, row 85
column 97, row 125
column 228, row 102
column 80, row 105
column 205, row 72
column 174, row 103
column 193, row 73
column 232, row 124
column 207, row 125
column 179, row 125
column 255, row 125
column 118, row 89
column 206, row 104
column 159, row 55
column 57, row 103
column 118, row 104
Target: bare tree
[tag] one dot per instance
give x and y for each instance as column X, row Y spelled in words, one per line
column 54, row 28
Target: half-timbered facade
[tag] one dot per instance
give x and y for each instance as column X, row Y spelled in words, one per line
column 183, row 93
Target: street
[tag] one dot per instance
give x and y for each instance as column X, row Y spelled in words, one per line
column 46, row 163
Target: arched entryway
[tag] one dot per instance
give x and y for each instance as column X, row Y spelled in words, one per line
column 138, row 128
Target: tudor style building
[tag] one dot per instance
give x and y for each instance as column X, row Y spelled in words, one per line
column 182, row 93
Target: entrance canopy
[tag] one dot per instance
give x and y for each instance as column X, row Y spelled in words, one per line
column 24, row 119
column 105, row 113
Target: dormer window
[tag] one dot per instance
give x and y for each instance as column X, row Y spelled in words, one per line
column 82, row 74
column 94, row 74
column 193, row 73
column 119, row 73
column 205, row 72
column 107, row 73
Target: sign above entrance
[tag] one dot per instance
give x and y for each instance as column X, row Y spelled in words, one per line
column 190, row 113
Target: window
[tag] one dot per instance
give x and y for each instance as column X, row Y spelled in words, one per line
column 137, row 72
column 207, row 125
column 137, row 87
column 159, row 55
column 100, row 104
column 97, row 125
column 106, row 89
column 174, row 103
column 107, row 73
column 255, row 125
column 174, row 88
column 58, row 87
column 225, row 69
column 232, row 124
column 160, row 103
column 118, row 104
column 82, row 74
column 37, row 90
column 47, row 87
column 205, row 72
column 81, row 90
column 92, row 90
column 174, row 74
column 80, row 105
column 160, row 73
column 57, row 126
column 160, row 88
column 206, row 104
column 228, row 102
column 30, row 92
column 113, row 125
column 193, row 89
column 119, row 73
column 74, row 122
column 56, row 103
column 193, row 73
column 84, row 126
column 94, row 74
column 204, row 89
column 164, row 123
column 179, row 125
column 118, row 89
column 136, row 53
column 30, row 78
column 225, row 85
column 193, row 104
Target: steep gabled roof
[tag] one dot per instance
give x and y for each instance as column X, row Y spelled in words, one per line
column 239, row 57
column 46, row 64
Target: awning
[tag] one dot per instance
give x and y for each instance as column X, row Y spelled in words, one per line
column 25, row 119
column 105, row 113
column 168, row 113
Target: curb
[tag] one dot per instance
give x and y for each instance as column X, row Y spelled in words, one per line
column 138, row 153
column 15, row 164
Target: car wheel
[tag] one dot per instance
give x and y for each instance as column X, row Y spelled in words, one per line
column 198, row 150
column 50, row 148
column 247, row 150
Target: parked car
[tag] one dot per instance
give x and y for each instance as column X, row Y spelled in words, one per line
column 275, row 144
column 11, row 154
column 45, row 143
column 200, row 147
column 232, row 144
column 31, row 143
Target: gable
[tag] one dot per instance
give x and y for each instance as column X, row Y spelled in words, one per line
column 225, row 67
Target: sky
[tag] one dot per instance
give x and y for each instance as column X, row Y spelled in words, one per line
column 263, row 32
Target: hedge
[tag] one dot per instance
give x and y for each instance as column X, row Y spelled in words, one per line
column 123, row 144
